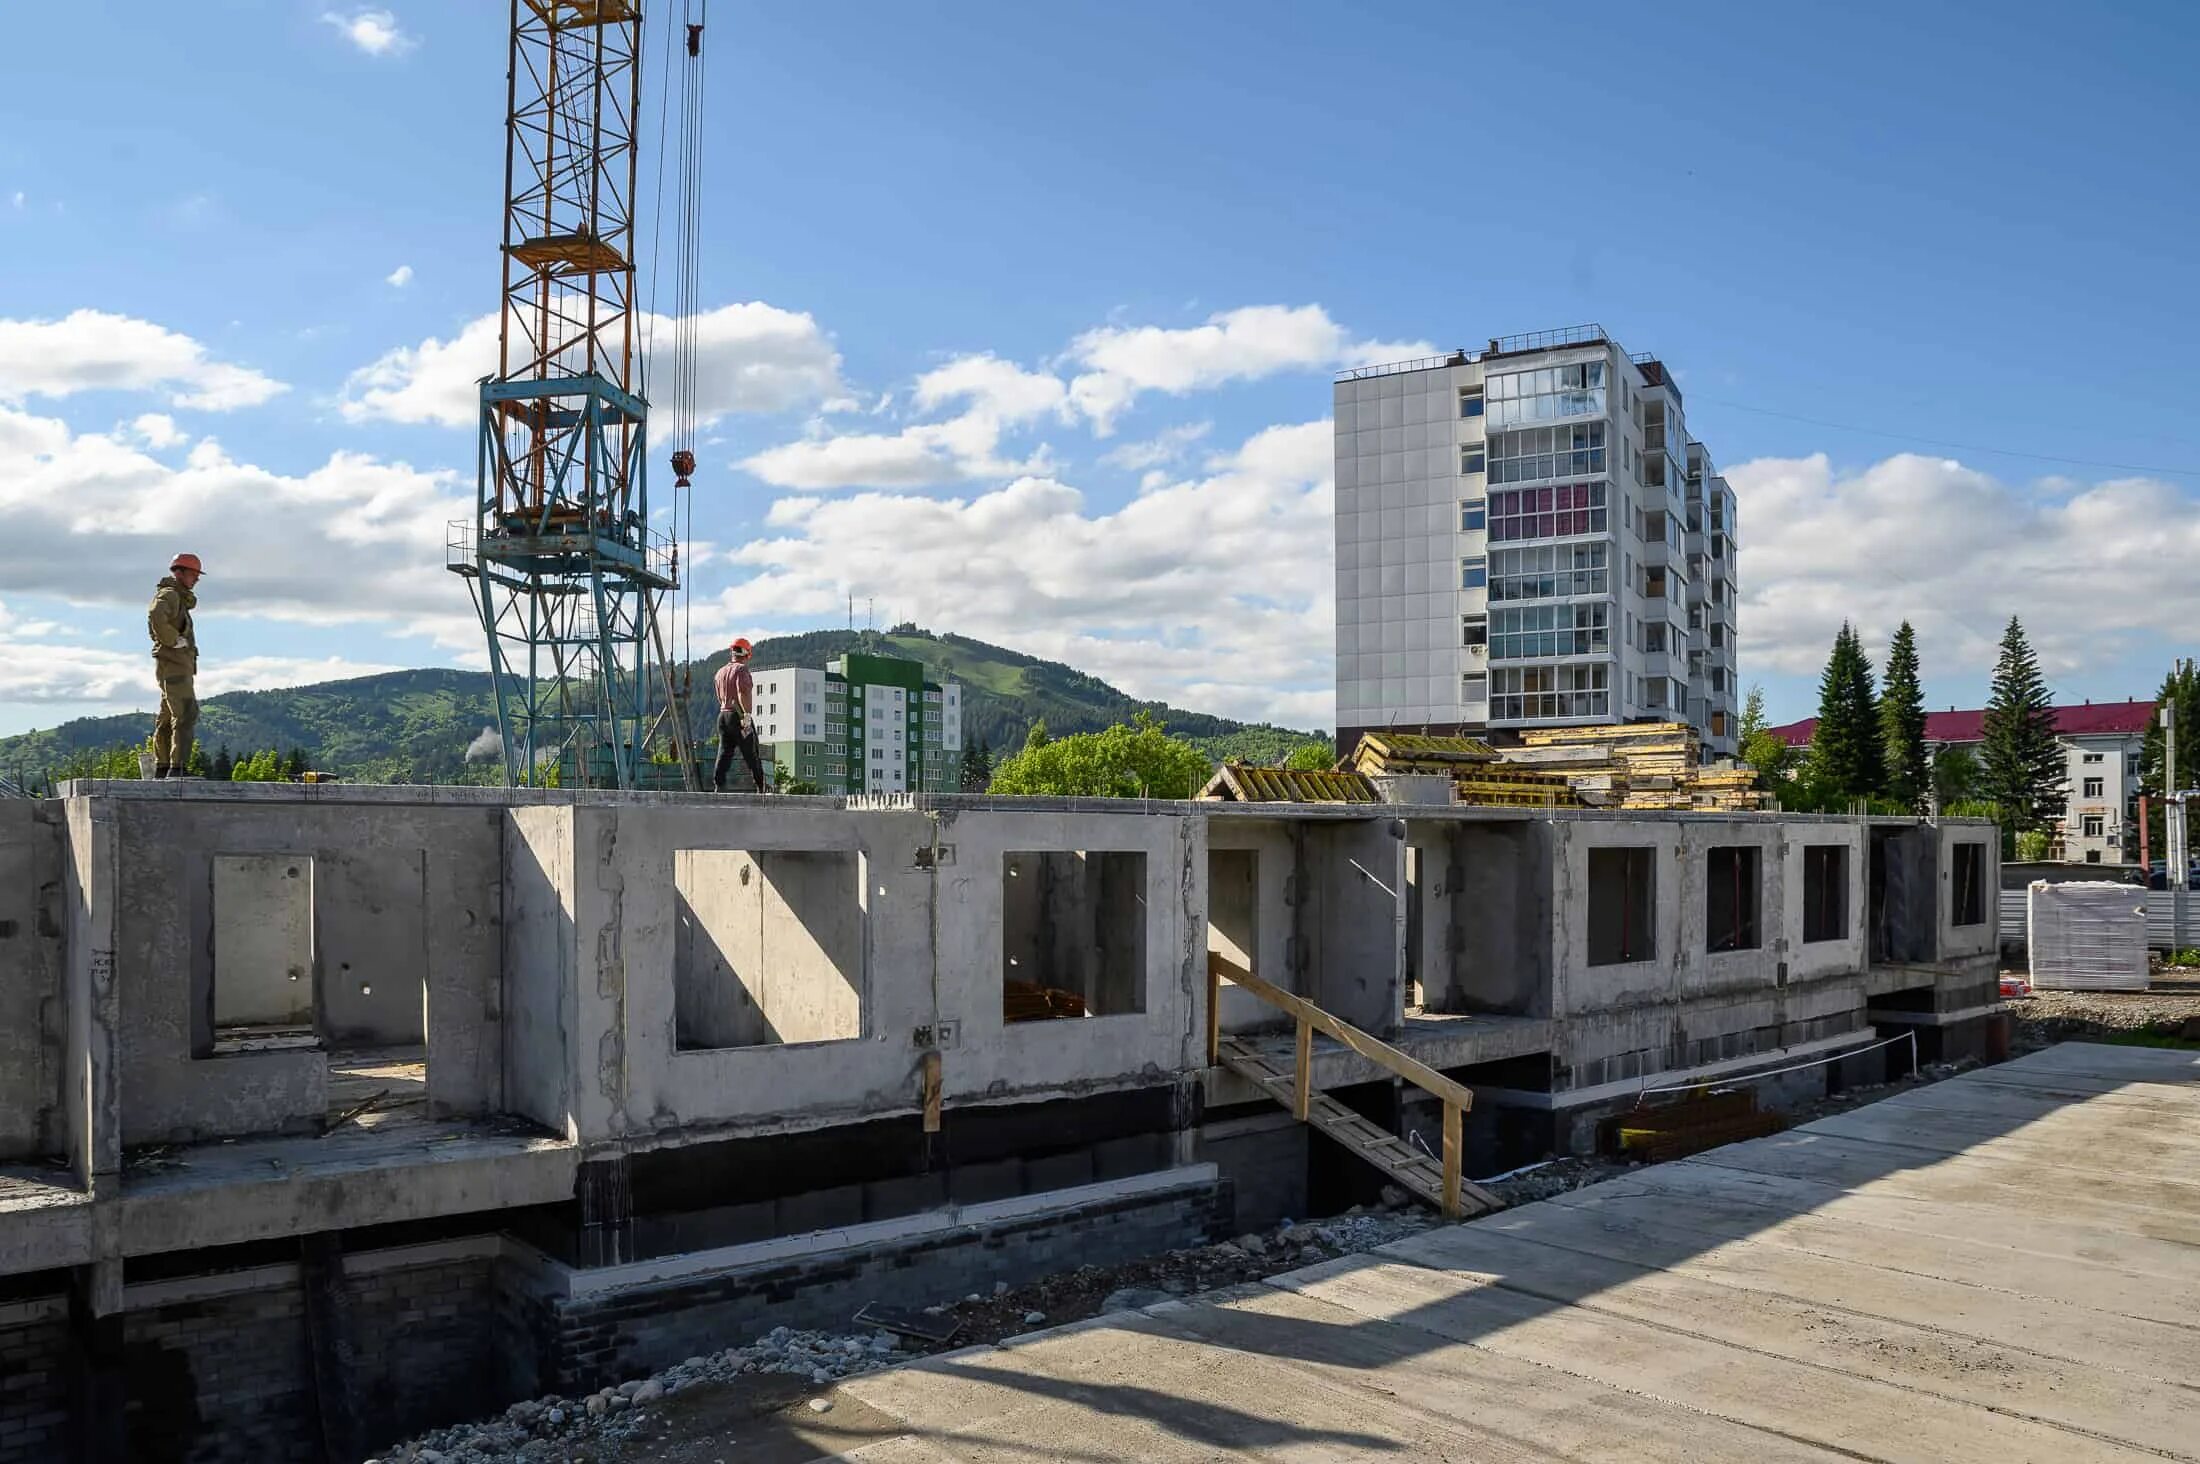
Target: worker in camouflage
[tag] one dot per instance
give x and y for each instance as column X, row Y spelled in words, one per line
column 175, row 665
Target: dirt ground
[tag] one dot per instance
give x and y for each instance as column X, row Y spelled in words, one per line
column 2169, row 1011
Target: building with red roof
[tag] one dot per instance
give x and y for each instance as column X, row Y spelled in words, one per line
column 2103, row 741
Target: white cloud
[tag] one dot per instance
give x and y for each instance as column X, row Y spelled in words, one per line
column 1214, row 592
column 93, row 350
column 2092, row 570
column 1235, row 345
column 1155, row 452
column 376, row 32
column 158, row 430
column 750, row 357
column 399, row 277
column 18, row 198
column 93, row 520
column 995, row 395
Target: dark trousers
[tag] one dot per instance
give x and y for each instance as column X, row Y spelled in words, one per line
column 730, row 739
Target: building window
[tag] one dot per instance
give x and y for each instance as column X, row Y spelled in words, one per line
column 1470, row 460
column 1551, row 571
column 1622, row 905
column 1474, row 574
column 1470, row 401
column 1547, row 394
column 1474, row 688
column 1825, row 892
column 1730, row 897
column 2093, row 824
column 1473, row 515
column 2092, row 757
column 2093, row 788
column 1718, row 724
column 1527, row 632
column 1474, row 630
column 1547, row 513
column 1542, row 693
column 1968, row 897
column 1546, row 452
column 878, row 754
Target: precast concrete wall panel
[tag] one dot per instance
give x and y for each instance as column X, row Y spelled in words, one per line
column 33, row 1010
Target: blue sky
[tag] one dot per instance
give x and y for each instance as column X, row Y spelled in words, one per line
column 1019, row 320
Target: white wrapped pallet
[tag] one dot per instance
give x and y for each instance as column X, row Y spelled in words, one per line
column 2089, row 936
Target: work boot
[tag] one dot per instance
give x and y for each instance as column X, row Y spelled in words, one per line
column 160, row 770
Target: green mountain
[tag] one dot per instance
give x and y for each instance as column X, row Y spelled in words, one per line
column 416, row 726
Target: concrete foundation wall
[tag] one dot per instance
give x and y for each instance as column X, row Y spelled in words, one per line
column 1351, row 920
column 1273, row 850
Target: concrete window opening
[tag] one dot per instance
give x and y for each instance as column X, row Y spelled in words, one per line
column 263, row 938
column 1731, row 897
column 1825, row 892
column 1073, row 934
column 1622, row 905
column 1970, row 890
column 767, row 947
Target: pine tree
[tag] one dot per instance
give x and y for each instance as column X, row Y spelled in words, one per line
column 2021, row 765
column 1902, row 724
column 1036, row 738
column 977, row 767
column 222, row 766
column 2180, row 689
column 1845, row 760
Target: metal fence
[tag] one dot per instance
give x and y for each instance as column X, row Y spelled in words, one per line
column 2015, row 928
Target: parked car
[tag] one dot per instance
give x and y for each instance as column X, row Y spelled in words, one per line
column 2158, row 875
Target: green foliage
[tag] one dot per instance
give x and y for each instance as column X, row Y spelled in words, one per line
column 1259, row 747
column 2032, row 846
column 1845, row 760
column 977, row 768
column 262, row 767
column 1312, row 757
column 2182, row 958
column 1138, row 761
column 2021, row 765
column 1036, row 737
column 1773, row 759
column 784, row 781
column 2180, row 689
column 1902, row 725
column 1955, row 776
column 1973, row 808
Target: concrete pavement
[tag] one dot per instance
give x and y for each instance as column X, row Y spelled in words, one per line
column 2001, row 1267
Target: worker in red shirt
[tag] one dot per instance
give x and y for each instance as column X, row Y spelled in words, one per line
column 737, row 718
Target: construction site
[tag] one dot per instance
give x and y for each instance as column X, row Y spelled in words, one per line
column 334, row 1117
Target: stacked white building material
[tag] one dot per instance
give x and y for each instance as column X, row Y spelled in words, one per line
column 2089, row 936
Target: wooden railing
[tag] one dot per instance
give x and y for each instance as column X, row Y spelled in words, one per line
column 1456, row 1098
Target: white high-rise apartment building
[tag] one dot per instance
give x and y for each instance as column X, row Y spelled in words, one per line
column 1528, row 537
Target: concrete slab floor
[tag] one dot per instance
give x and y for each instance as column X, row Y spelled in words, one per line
column 1941, row 1290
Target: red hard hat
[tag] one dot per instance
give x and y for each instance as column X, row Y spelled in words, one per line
column 741, row 646
column 186, row 561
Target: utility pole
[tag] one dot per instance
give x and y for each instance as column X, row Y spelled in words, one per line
column 2177, row 857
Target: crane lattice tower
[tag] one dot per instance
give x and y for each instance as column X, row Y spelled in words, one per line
column 564, row 568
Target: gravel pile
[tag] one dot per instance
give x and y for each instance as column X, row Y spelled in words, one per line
column 556, row 1428
column 2170, row 1008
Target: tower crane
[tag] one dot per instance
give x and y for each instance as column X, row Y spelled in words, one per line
column 574, row 581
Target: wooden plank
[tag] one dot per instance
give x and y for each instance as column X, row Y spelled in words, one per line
column 932, row 1092
column 1452, row 1176
column 1305, row 1084
column 1214, row 1012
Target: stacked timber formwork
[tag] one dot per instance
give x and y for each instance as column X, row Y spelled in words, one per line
column 1638, row 766
column 1480, row 774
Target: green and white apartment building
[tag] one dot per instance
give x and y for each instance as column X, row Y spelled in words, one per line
column 864, row 724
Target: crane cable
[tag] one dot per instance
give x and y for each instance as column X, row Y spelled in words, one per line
column 686, row 289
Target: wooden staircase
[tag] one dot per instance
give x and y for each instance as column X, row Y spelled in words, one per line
column 1437, row 1182
column 1413, row 1171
